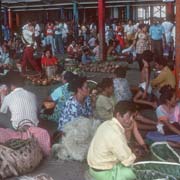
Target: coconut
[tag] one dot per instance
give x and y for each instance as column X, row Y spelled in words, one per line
column 44, row 82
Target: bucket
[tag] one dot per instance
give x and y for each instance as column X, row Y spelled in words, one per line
column 50, row 71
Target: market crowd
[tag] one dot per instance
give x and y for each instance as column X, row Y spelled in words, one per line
column 102, row 122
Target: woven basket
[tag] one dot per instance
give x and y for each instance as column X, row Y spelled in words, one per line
column 153, row 170
column 161, row 151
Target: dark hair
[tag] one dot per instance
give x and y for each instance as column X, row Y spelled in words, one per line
column 14, row 78
column 76, row 83
column 105, row 83
column 68, row 76
column 120, row 72
column 48, row 48
column 167, row 92
column 123, row 107
column 147, row 56
column 141, row 26
column 161, row 60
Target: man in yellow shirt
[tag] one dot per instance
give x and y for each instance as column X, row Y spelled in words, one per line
column 166, row 76
column 109, row 155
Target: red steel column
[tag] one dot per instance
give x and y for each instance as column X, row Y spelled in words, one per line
column 17, row 19
column 178, row 46
column 170, row 9
column 10, row 19
column 101, row 16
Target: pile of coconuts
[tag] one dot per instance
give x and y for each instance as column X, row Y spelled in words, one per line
column 44, row 81
column 106, row 67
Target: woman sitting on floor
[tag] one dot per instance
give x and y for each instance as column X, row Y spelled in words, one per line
column 59, row 96
column 77, row 105
column 76, row 124
column 105, row 103
column 48, row 60
column 168, row 113
column 144, row 94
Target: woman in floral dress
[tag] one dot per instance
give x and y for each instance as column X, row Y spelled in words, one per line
column 142, row 43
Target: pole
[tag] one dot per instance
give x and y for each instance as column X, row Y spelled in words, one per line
column 62, row 16
column 170, row 9
column 76, row 19
column 101, row 12
column 1, row 35
column 17, row 19
column 10, row 18
column 178, row 47
column 127, row 11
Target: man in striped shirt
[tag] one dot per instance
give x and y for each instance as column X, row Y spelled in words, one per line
column 21, row 103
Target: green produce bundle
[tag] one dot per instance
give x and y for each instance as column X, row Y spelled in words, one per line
column 161, row 151
column 154, row 170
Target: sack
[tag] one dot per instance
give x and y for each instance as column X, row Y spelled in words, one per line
column 19, row 156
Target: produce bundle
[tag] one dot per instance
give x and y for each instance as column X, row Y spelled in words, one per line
column 167, row 168
column 44, row 81
column 103, row 67
column 163, row 152
column 153, row 170
column 107, row 67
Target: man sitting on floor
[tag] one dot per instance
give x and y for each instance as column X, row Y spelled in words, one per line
column 109, row 154
column 21, row 103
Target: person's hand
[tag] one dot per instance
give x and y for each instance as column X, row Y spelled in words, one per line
column 145, row 148
column 144, row 95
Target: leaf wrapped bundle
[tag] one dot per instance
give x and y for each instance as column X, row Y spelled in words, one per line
column 163, row 152
column 151, row 170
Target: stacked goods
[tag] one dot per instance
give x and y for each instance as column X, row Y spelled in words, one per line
column 153, row 170
column 169, row 169
column 107, row 67
column 38, row 80
column 163, row 152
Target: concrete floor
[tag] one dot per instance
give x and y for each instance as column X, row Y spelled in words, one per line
column 69, row 170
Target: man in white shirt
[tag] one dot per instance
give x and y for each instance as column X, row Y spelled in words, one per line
column 21, row 103
column 28, row 39
column 37, row 33
column 129, row 30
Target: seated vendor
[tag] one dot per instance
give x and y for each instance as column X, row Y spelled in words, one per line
column 105, row 103
column 5, row 61
column 111, row 51
column 86, row 58
column 168, row 113
column 165, row 77
column 48, row 59
column 59, row 96
column 109, row 155
column 77, row 105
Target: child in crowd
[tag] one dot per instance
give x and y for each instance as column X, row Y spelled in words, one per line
column 5, row 61
column 105, row 102
column 48, row 61
column 86, row 58
column 122, row 90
